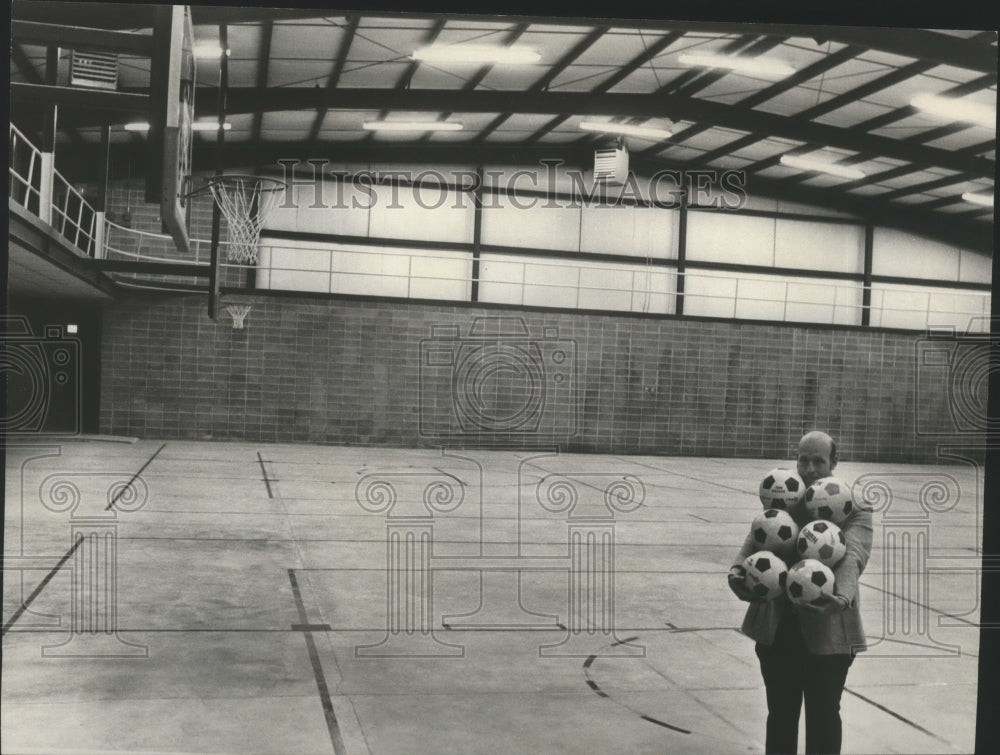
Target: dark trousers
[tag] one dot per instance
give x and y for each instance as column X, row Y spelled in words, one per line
column 792, row 673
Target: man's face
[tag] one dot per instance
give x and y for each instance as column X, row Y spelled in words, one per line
column 813, row 460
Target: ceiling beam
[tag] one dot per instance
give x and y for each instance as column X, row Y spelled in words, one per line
column 921, row 44
column 686, row 78
column 914, row 43
column 250, row 99
column 542, row 85
column 140, row 15
column 923, row 187
column 811, row 71
column 746, row 48
column 27, row 68
column 263, row 64
column 83, row 38
column 509, row 39
column 24, row 64
column 619, row 76
column 922, row 137
column 334, row 79
column 412, row 67
column 694, row 80
column 848, row 97
column 120, row 102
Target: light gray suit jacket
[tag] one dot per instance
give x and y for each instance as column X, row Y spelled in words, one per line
column 825, row 634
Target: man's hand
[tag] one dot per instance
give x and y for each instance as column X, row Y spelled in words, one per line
column 737, row 575
column 827, row 604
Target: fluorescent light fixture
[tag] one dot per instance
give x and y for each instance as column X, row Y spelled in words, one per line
column 412, row 126
column 462, row 53
column 956, row 109
column 196, row 126
column 209, row 51
column 644, row 132
column 807, row 162
column 210, row 126
column 986, row 200
column 758, row 66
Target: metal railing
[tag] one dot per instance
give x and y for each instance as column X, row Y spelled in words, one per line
column 650, row 290
column 25, row 173
column 35, row 185
column 44, row 192
column 72, row 216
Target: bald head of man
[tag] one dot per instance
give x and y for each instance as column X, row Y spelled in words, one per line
column 816, row 456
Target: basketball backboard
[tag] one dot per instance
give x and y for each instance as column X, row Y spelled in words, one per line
column 171, row 89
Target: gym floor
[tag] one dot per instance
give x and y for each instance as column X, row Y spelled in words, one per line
column 255, row 591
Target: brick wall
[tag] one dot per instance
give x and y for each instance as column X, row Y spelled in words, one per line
column 340, row 371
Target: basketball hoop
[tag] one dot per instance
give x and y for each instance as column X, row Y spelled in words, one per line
column 238, row 313
column 246, row 202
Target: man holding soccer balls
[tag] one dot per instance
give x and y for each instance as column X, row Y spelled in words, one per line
column 799, row 569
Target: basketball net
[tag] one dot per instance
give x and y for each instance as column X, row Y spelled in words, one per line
column 238, row 312
column 246, row 202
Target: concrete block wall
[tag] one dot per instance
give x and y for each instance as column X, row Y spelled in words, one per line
column 360, row 372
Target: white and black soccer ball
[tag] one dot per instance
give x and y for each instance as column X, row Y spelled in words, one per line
column 782, row 489
column 765, row 575
column 823, row 541
column 774, row 530
column 808, row 581
column 829, row 499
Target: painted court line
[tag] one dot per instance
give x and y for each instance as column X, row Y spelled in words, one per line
column 41, row 586
column 263, row 470
column 696, row 479
column 917, row 603
column 55, row 569
column 324, row 691
column 897, row 716
column 135, row 477
column 597, row 689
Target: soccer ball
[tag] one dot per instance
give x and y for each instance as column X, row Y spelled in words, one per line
column 830, row 499
column 807, row 581
column 823, row 541
column 765, row 575
column 782, row 489
column 774, row 530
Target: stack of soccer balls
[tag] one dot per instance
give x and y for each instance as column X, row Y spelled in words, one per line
column 789, row 559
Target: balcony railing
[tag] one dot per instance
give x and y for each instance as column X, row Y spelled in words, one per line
column 397, row 272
